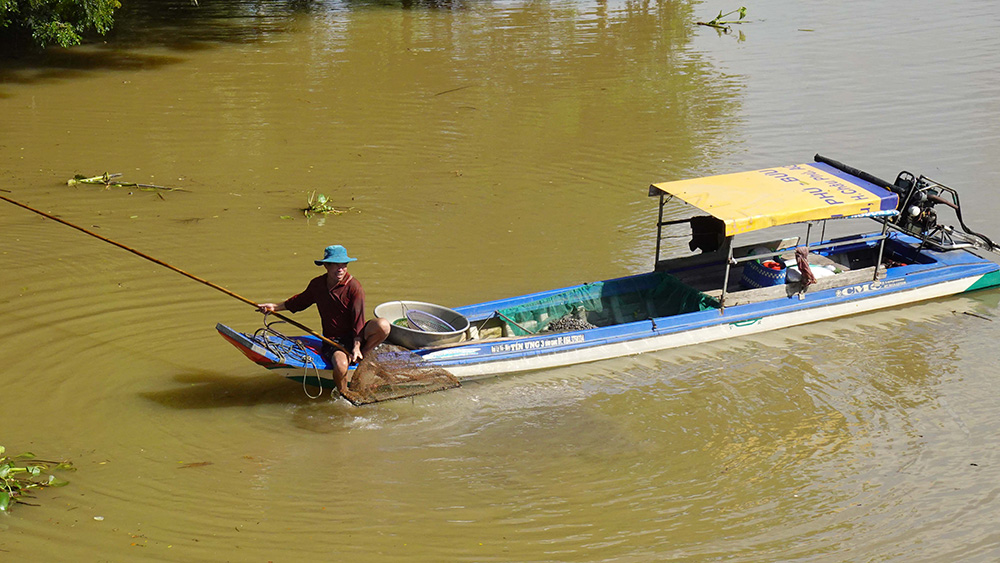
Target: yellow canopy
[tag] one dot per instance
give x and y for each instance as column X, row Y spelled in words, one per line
column 748, row 201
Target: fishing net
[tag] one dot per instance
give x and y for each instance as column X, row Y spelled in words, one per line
column 394, row 373
column 388, row 372
column 612, row 302
column 422, row 320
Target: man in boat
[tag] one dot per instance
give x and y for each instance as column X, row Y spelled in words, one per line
column 341, row 302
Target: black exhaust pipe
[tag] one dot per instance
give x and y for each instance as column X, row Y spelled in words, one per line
column 860, row 174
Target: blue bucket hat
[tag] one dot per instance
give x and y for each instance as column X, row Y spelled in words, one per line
column 335, row 254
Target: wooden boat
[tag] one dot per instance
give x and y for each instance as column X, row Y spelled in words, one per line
column 719, row 290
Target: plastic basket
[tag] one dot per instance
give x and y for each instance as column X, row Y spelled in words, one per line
column 757, row 275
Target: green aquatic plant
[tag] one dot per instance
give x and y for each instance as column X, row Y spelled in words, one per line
column 719, row 23
column 23, row 472
column 319, row 204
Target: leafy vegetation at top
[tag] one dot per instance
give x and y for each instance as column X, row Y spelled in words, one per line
column 55, row 22
column 719, row 23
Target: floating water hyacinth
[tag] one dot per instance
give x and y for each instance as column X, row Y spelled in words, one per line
column 719, row 23
column 21, row 473
column 319, row 204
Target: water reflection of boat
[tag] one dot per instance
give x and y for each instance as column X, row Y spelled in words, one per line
column 723, row 290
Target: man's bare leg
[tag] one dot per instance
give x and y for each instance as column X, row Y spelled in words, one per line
column 339, row 368
column 374, row 333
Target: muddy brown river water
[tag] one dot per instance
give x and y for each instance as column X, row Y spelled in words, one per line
column 481, row 150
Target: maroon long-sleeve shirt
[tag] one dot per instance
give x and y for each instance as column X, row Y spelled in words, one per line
column 341, row 309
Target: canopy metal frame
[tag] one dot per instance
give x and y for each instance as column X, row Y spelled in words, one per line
column 731, row 260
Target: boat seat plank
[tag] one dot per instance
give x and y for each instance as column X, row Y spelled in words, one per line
column 748, row 296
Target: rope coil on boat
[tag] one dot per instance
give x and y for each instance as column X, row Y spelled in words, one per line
column 284, row 348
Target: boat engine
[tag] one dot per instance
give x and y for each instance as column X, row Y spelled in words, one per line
column 916, row 210
column 917, row 197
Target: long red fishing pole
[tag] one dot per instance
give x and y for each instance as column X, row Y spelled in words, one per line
column 174, row 268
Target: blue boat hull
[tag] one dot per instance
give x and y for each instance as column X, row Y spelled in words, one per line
column 931, row 275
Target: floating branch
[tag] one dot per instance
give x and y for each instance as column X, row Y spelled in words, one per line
column 319, row 204
column 23, row 472
column 453, row 90
column 719, row 23
column 108, row 181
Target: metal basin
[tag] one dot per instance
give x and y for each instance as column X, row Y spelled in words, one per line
column 414, row 338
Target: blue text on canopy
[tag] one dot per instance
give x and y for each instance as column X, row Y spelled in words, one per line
column 832, row 194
